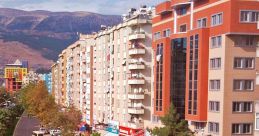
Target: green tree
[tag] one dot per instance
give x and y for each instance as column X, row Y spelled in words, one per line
column 173, row 125
column 96, row 134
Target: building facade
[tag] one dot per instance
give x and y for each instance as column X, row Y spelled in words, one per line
column 47, row 78
column 14, row 74
column 72, row 77
column 206, row 64
column 123, row 73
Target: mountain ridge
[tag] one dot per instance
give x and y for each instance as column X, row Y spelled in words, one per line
column 47, row 32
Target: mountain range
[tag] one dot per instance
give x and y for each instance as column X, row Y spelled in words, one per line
column 39, row 36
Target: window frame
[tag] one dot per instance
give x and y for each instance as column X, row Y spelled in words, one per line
column 242, row 63
column 241, row 128
column 222, row 20
column 181, row 26
column 201, row 19
column 241, row 105
column 240, row 16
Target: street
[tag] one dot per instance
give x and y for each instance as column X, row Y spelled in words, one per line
column 26, row 125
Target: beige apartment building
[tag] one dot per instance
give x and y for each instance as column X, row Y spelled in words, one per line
column 72, row 76
column 123, row 73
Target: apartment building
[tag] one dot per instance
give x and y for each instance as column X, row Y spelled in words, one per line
column 72, row 77
column 206, row 64
column 123, row 73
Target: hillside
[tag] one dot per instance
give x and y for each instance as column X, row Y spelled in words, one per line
column 44, row 33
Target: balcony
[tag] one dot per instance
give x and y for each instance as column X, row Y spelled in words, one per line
column 137, row 51
column 136, row 96
column 137, row 21
column 136, row 81
column 164, row 8
column 135, row 110
column 137, row 35
column 136, row 66
column 135, row 125
column 178, row 3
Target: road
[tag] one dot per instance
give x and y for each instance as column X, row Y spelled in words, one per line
column 26, row 125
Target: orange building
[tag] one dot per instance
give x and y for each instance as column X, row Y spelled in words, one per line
column 14, row 74
column 205, row 64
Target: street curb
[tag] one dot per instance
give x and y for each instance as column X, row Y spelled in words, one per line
column 14, row 134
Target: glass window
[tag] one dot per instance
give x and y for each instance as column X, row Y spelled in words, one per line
column 244, row 63
column 215, row 63
column 249, row 16
column 216, row 19
column 257, row 121
column 202, row 23
column 242, row 85
column 183, row 28
column 242, row 107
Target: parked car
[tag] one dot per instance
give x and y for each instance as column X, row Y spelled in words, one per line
column 55, row 132
column 44, row 130
column 37, row 133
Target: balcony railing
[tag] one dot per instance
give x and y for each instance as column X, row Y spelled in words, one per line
column 136, row 96
column 137, row 66
column 137, row 51
column 137, row 21
column 135, row 110
column 136, row 81
column 137, row 35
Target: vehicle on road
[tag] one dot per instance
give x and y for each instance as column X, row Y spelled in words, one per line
column 55, row 132
column 37, row 133
column 44, row 130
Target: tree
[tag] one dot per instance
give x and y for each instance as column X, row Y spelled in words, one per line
column 95, row 134
column 38, row 102
column 173, row 125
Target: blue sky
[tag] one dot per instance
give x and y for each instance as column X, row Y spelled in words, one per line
column 98, row 6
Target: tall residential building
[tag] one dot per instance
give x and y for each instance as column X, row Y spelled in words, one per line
column 72, row 79
column 47, row 78
column 123, row 73
column 14, row 74
column 206, row 64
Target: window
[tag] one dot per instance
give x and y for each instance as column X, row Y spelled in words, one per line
column 216, row 42
column 213, row 127
column 214, row 106
column 202, row 23
column 183, row 28
column 182, row 11
column 249, row 16
column 257, row 121
column 216, row 19
column 157, row 35
column 243, row 63
column 214, row 85
column 215, row 63
column 159, row 78
column 245, row 41
column 166, row 33
column 240, row 85
column 244, row 128
column 242, row 107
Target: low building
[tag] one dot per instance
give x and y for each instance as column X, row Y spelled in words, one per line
column 14, row 74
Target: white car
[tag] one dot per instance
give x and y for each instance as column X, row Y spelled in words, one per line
column 55, row 132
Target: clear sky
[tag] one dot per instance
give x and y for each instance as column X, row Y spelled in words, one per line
column 98, row 6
